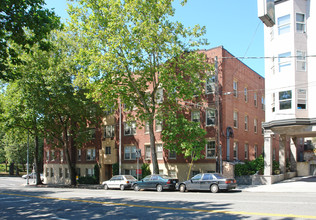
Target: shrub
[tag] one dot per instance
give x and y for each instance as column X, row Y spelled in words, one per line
column 250, row 167
column 115, row 169
column 145, row 170
column 87, row 180
column 97, row 172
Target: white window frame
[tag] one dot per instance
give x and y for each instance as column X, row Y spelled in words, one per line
column 159, row 95
column 302, row 99
column 109, row 131
column 61, row 155
column 159, row 151
column 235, row 88
column 235, row 117
column 284, row 60
column 255, row 125
column 301, row 24
column 263, row 105
column 210, row 117
column 301, row 61
column 255, row 99
column 285, row 99
column 273, row 102
column 158, row 125
column 130, row 152
column 246, row 122
column 90, row 154
column 79, row 154
column 246, row 151
column 129, row 128
column 108, row 150
column 256, row 150
column 235, row 147
column 172, row 154
column 210, row 85
column 147, row 152
column 195, row 115
column 284, row 24
column 210, row 149
column 90, row 172
column 246, row 94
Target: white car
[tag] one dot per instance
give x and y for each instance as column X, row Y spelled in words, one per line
column 119, row 182
column 33, row 176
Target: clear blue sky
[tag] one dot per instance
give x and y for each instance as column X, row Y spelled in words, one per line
column 233, row 24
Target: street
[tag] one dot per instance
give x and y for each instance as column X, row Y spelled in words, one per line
column 18, row 201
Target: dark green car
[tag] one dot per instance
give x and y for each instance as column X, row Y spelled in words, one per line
column 208, row 182
column 156, row 182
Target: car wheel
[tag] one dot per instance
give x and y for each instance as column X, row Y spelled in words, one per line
column 136, row 187
column 214, row 188
column 159, row 188
column 122, row 187
column 182, row 188
column 106, row 187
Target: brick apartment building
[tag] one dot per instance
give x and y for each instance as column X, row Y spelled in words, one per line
column 241, row 111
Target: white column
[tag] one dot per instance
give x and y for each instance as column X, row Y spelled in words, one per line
column 268, row 152
column 282, row 143
column 293, row 153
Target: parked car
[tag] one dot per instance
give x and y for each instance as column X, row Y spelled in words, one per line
column 33, row 176
column 208, row 181
column 156, row 182
column 119, row 182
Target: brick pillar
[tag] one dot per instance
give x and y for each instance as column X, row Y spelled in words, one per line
column 282, row 157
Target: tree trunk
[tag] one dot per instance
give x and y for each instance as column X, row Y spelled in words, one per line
column 37, row 164
column 70, row 158
column 153, row 147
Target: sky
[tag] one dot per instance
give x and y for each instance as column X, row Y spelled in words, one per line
column 233, row 24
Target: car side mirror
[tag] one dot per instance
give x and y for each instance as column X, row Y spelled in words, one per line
column 191, row 180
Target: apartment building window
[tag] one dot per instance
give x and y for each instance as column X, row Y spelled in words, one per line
column 90, row 154
column 92, row 133
column 159, row 95
column 130, row 172
column 107, row 150
column 300, row 22
column 255, row 99
column 263, row 101
column 273, row 154
column 235, row 150
column 301, row 99
column 235, row 88
column 195, row 116
column 210, row 85
column 47, row 156
column 246, row 94
column 51, row 172
column 255, row 125
column 172, row 173
column 300, row 61
column 246, row 122
column 235, row 119
column 147, row 152
column 246, row 151
column 61, row 155
column 130, row 128
column 256, row 151
column 60, row 172
column 284, row 24
column 79, row 155
column 47, row 172
column 284, row 60
column 172, row 154
column 158, row 125
column 210, row 149
column 159, row 151
column 285, row 100
column 130, row 153
column 210, row 117
column 273, row 102
column 109, row 131
column 53, row 155
column 146, row 127
column 89, row 171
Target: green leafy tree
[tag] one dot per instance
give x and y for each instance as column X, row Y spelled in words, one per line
column 17, row 20
column 133, row 52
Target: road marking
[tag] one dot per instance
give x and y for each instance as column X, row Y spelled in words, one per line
column 168, row 208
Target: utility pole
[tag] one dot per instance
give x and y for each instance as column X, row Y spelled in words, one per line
column 217, row 105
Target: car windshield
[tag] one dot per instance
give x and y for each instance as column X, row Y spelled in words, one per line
column 218, row 176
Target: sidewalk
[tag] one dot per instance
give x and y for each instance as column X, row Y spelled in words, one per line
column 297, row 184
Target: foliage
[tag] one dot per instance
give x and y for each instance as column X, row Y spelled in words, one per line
column 275, row 166
column 131, row 51
column 115, row 169
column 24, row 23
column 88, row 180
column 250, row 167
column 145, row 170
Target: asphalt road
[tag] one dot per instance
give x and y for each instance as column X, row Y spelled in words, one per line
column 18, row 201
